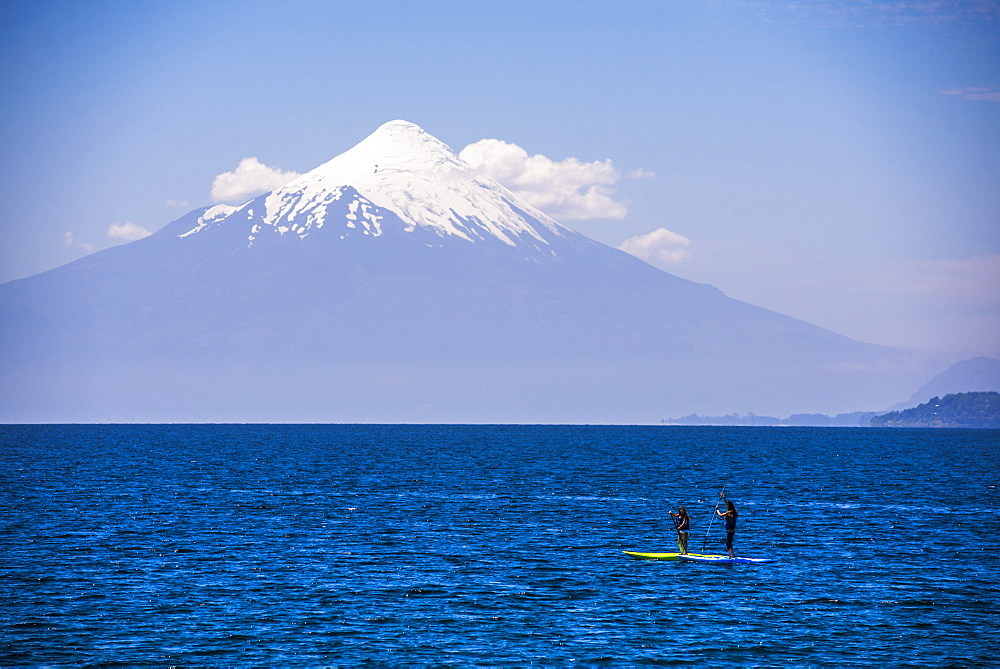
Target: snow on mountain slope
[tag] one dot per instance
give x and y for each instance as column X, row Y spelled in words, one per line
column 405, row 170
column 211, row 216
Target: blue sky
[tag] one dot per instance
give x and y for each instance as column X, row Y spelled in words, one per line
column 834, row 161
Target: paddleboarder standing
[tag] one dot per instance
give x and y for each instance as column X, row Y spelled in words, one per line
column 730, row 517
column 683, row 524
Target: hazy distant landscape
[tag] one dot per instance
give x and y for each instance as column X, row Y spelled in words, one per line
column 967, row 383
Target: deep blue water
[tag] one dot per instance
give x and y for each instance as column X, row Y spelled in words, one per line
column 306, row 545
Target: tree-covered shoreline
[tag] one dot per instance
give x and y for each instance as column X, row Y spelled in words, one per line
column 973, row 410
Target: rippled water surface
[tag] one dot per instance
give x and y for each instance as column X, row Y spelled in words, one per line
column 468, row 545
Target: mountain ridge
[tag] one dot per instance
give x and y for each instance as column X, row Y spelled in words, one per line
column 978, row 374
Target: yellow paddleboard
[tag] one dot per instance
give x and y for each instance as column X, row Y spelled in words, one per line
column 665, row 556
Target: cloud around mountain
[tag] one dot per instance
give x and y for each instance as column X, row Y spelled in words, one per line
column 71, row 240
column 659, row 247
column 566, row 190
column 128, row 231
column 251, row 177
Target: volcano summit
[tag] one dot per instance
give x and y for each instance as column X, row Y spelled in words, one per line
column 396, row 284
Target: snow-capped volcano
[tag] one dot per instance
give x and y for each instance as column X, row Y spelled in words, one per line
column 398, row 168
column 395, row 284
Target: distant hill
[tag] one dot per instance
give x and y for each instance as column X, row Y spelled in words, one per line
column 980, row 410
column 978, row 374
column 854, row 419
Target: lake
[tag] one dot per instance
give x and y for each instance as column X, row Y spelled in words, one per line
column 470, row 545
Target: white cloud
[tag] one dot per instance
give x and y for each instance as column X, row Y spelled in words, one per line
column 251, row 177
column 641, row 174
column 71, row 240
column 127, row 230
column 975, row 93
column 567, row 190
column 661, row 246
column 177, row 203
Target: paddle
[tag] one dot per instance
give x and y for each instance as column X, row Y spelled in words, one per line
column 721, row 495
